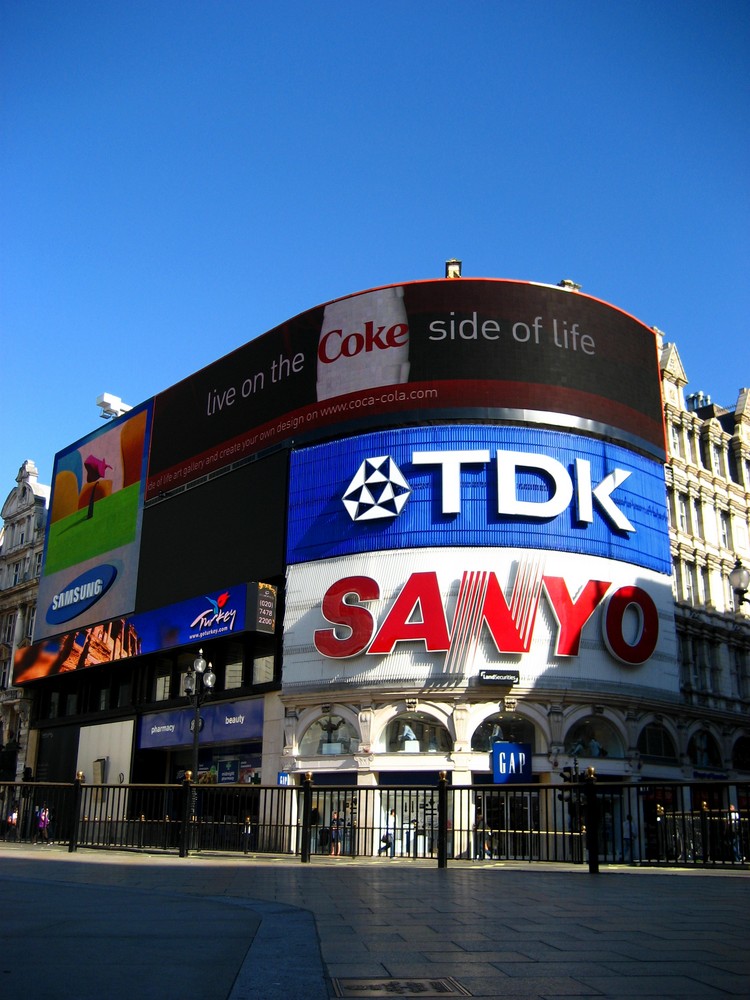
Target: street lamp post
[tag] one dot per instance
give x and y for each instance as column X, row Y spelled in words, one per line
column 739, row 581
column 199, row 683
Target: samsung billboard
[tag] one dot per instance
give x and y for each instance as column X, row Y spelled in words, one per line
column 92, row 544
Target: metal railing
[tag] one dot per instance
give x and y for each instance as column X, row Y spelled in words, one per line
column 583, row 822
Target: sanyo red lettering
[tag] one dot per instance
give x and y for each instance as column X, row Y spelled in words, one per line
column 339, row 611
column 572, row 615
column 630, row 621
column 637, row 603
column 417, row 615
column 511, row 630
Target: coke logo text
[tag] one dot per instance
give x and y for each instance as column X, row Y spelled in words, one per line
column 335, row 344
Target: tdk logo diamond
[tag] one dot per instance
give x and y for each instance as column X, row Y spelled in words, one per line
column 377, row 491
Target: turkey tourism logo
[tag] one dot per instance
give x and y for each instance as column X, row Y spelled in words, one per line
column 377, row 491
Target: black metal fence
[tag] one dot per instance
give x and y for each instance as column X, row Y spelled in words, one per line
column 581, row 822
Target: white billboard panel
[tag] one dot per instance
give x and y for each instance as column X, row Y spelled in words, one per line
column 440, row 616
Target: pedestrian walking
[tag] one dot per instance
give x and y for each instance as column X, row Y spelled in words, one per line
column 388, row 840
column 336, row 824
column 42, row 824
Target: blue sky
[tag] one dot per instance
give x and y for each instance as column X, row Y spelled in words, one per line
column 178, row 177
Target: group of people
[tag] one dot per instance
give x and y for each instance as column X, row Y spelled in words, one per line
column 333, row 835
column 41, row 824
column 387, row 841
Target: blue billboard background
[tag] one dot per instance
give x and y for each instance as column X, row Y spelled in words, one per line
column 234, row 721
column 320, row 526
column 196, row 620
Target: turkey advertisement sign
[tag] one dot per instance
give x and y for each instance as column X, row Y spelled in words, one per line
column 426, row 617
column 426, row 350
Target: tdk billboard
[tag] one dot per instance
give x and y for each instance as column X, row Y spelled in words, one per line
column 478, row 486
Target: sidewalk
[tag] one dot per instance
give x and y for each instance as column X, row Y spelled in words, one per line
column 95, row 924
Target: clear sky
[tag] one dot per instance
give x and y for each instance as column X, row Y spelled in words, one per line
column 177, row 177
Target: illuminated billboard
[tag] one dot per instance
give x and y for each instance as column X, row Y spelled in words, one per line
column 94, row 527
column 424, row 617
column 248, row 607
column 430, row 350
column 477, row 485
column 237, row 721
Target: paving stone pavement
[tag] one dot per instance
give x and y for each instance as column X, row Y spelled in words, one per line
column 115, row 925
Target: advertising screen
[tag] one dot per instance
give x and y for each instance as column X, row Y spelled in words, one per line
column 238, row 721
column 248, row 607
column 94, row 527
column 223, row 532
column 468, row 348
column 429, row 617
column 477, row 485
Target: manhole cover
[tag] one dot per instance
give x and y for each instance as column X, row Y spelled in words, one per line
column 447, row 987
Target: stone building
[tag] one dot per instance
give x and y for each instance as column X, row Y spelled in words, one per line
column 24, row 516
column 708, row 484
column 404, row 527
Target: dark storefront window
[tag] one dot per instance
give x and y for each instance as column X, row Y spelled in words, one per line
column 593, row 737
column 656, row 744
column 703, row 750
column 233, row 666
column 162, row 681
column 331, row 734
column 417, row 732
column 500, row 727
column 741, row 754
column 263, row 669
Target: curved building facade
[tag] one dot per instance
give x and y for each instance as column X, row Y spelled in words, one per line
column 405, row 526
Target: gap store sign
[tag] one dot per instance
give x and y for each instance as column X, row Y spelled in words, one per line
column 511, row 763
column 478, row 486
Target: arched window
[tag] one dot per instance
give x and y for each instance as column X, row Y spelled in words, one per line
column 593, row 737
column 503, row 726
column 703, row 750
column 417, row 732
column 656, row 744
column 328, row 735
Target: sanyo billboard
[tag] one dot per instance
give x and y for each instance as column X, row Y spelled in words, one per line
column 444, row 616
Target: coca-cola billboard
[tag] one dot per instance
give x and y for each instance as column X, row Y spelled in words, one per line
column 430, row 350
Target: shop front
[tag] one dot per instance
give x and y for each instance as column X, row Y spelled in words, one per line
column 229, row 744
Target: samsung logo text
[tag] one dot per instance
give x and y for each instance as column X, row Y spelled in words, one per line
column 80, row 594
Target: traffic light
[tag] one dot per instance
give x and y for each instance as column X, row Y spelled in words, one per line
column 570, row 776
